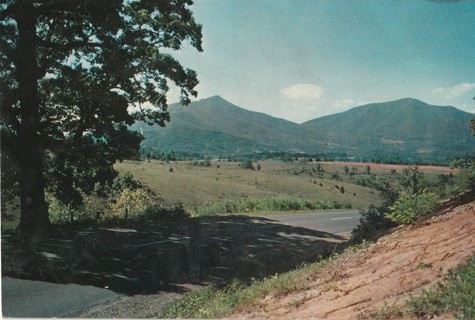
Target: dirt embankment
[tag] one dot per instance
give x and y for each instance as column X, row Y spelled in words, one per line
column 398, row 265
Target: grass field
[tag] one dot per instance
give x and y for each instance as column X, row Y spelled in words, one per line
column 196, row 186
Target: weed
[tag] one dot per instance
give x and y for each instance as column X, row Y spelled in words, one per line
column 456, row 295
column 423, row 265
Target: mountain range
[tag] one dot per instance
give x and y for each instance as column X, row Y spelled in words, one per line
column 405, row 129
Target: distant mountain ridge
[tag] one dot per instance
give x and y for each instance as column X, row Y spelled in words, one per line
column 401, row 129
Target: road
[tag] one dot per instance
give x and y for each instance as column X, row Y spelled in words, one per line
column 328, row 221
column 33, row 299
column 38, row 299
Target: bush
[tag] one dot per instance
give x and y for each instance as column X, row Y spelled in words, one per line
column 205, row 163
column 265, row 204
column 247, row 165
column 131, row 203
column 156, row 212
column 410, row 206
column 372, row 222
column 59, row 212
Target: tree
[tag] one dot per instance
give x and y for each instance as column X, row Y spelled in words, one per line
column 346, row 169
column 69, row 71
column 247, row 165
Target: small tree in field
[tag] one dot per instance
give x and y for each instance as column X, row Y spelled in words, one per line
column 367, row 170
column 247, row 165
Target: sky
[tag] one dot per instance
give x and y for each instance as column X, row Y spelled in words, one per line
column 304, row 59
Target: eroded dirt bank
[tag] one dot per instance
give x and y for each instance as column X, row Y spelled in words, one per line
column 399, row 264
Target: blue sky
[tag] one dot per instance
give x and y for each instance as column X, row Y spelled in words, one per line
column 303, row 59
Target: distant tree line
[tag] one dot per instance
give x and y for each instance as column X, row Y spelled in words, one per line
column 400, row 159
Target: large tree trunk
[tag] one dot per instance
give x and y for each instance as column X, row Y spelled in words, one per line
column 29, row 151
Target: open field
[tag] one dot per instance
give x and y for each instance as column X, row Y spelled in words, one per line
column 385, row 168
column 196, row 186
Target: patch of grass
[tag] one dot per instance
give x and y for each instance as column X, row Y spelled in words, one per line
column 454, row 295
column 246, row 205
column 220, row 301
column 385, row 313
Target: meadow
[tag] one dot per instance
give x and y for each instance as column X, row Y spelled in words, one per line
column 205, row 187
column 197, row 186
column 351, row 185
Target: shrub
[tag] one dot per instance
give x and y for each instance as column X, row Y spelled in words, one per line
column 409, row 206
column 130, row 203
column 59, row 212
column 247, row 165
column 156, row 212
column 265, row 204
column 372, row 222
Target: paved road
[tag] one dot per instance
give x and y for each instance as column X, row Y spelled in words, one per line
column 38, row 299
column 26, row 298
column 333, row 222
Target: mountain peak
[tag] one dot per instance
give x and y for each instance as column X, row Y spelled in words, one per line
column 215, row 98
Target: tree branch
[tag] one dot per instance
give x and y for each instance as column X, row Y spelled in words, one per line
column 51, row 5
column 71, row 45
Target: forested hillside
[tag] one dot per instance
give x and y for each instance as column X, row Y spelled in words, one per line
column 405, row 130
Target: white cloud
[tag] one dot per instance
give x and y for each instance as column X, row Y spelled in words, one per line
column 303, row 91
column 344, row 104
column 455, row 91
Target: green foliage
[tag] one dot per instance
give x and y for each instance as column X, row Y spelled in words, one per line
column 367, row 170
column 372, row 222
column 130, row 203
column 204, row 163
column 247, row 165
column 465, row 179
column 59, row 213
column 311, row 170
column 70, row 70
column 244, row 205
column 455, row 295
column 335, row 176
column 156, row 212
column 410, row 206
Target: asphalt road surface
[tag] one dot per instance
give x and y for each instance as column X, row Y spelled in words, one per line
column 328, row 221
column 37, row 299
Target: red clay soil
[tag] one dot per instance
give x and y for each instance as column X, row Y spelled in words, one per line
column 387, row 273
